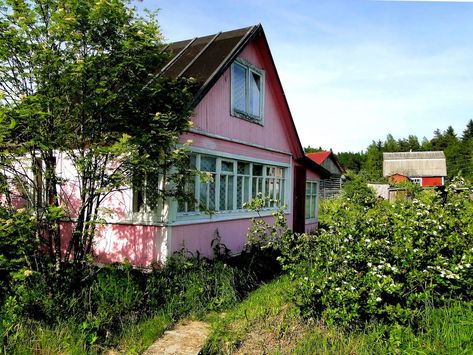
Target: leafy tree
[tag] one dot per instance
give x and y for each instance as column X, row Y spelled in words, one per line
column 373, row 167
column 80, row 85
column 309, row 149
column 390, row 144
column 351, row 161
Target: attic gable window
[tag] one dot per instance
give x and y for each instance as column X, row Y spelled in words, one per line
column 247, row 91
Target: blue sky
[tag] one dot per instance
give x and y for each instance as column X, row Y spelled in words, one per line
column 353, row 70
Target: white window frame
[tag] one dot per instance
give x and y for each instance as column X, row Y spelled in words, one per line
column 236, row 212
column 249, row 68
column 416, row 180
column 313, row 203
column 144, row 214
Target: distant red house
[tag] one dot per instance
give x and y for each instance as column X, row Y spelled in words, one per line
column 329, row 187
column 423, row 168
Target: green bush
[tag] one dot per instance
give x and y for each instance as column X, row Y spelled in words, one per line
column 99, row 303
column 17, row 246
column 384, row 261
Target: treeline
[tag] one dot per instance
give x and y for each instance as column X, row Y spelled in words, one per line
column 458, row 149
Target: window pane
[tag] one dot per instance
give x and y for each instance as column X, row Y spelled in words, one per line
column 255, row 94
column 240, row 183
column 226, row 193
column 246, row 190
column 193, row 161
column 239, row 87
column 257, row 170
column 257, row 186
column 207, row 164
column 243, row 168
column 207, row 194
column 212, row 195
column 307, row 207
column 227, row 166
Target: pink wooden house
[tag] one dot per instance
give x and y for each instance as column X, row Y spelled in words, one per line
column 243, row 135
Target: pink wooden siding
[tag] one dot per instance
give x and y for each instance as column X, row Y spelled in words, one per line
column 310, row 227
column 219, row 145
column 140, row 245
column 312, row 176
column 199, row 237
column 212, row 114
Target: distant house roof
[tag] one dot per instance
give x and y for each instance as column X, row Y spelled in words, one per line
column 321, row 158
column 206, row 58
column 415, row 164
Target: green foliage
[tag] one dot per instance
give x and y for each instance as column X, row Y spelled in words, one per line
column 17, row 246
column 444, row 330
column 263, row 235
column 83, row 88
column 98, row 305
column 384, row 261
column 356, row 189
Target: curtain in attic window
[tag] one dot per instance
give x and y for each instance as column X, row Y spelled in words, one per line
column 239, row 88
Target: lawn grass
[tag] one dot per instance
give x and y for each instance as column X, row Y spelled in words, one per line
column 68, row 338
column 267, row 322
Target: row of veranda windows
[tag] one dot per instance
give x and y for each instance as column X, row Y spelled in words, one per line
column 232, row 183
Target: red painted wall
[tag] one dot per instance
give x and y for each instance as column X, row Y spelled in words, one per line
column 432, row 181
column 397, row 178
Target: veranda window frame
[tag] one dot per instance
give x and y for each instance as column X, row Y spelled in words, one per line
column 283, row 181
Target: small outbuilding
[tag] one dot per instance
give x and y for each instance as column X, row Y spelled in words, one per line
column 423, row 168
column 330, row 186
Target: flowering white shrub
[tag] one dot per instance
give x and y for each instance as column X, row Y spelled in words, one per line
column 387, row 261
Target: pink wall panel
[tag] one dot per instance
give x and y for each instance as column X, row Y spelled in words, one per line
column 311, row 227
column 140, row 245
column 219, row 145
column 199, row 236
column 212, row 114
column 311, row 175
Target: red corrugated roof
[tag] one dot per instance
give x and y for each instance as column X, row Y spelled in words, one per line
column 319, row 157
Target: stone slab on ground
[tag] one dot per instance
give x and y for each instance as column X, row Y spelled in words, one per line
column 185, row 339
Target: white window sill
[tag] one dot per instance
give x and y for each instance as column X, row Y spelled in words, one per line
column 195, row 218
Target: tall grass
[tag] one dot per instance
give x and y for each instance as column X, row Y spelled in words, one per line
column 267, row 321
column 117, row 306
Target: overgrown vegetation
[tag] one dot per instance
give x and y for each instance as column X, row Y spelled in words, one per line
column 376, row 278
column 384, row 262
column 92, row 309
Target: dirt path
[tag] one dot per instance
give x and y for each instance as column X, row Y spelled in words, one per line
column 185, row 339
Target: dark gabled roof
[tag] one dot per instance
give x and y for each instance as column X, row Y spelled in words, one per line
column 206, row 58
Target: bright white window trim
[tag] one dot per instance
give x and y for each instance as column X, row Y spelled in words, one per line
column 247, row 77
column 416, row 180
column 311, row 200
column 140, row 212
column 269, row 178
